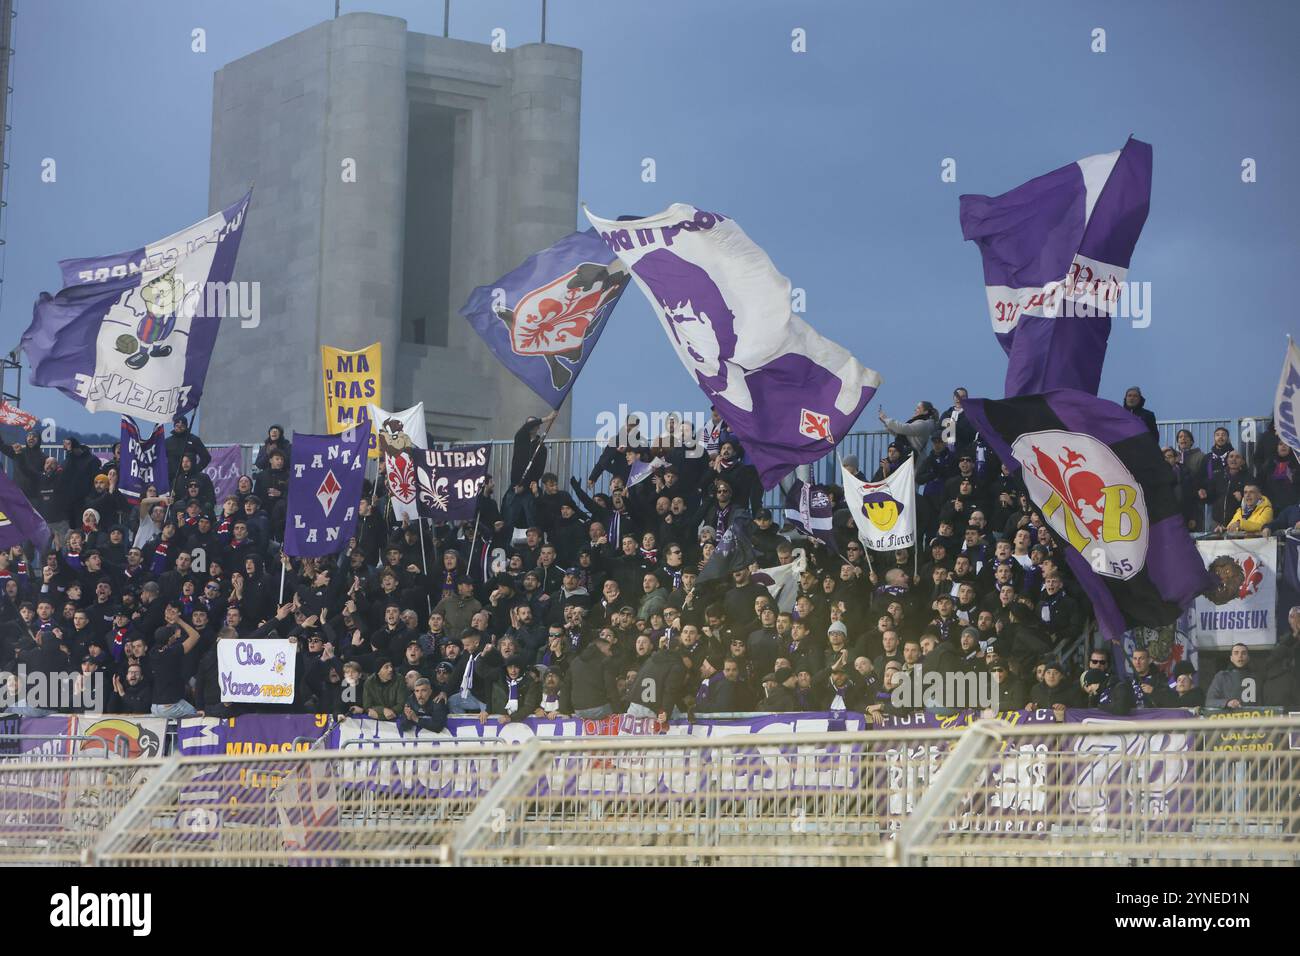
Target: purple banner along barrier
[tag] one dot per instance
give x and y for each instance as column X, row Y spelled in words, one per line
column 1148, row 775
column 231, row 794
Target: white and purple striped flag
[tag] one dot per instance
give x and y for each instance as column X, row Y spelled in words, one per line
column 1056, row 254
column 787, row 393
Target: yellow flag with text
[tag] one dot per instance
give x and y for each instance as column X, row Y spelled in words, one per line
column 352, row 381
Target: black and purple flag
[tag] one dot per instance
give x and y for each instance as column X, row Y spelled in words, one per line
column 1098, row 478
column 19, row 521
column 449, row 481
column 543, row 319
column 325, row 484
column 1056, row 254
column 143, row 462
column 809, row 508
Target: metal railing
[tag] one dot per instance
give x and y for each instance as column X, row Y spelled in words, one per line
column 1170, row 793
column 389, row 807
column 577, row 456
column 1133, row 792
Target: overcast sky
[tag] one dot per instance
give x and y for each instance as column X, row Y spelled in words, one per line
column 829, row 159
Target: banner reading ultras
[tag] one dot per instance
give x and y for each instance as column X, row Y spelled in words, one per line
column 352, row 382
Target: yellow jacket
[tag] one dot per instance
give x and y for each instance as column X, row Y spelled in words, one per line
column 1261, row 516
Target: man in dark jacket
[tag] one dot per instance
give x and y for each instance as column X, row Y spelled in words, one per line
column 779, row 690
column 527, row 465
column 422, row 710
column 29, row 460
column 592, row 678
column 1282, row 669
column 1136, row 403
column 184, row 442
column 1111, row 694
column 658, row 686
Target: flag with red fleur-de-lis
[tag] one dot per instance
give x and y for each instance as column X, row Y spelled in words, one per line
column 400, row 437
column 543, row 319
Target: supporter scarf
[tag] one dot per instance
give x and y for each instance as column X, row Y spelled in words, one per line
column 723, row 521
column 703, row 692
column 467, row 680
column 575, row 638
column 224, row 530
column 837, row 702
column 551, row 703
column 88, row 529
column 615, row 521
column 650, row 554
column 448, row 583
column 512, row 692
column 677, row 579
column 119, row 640
column 1213, row 456
column 159, row 563
column 187, row 605
column 1248, row 510
column 1282, row 471
column 73, row 560
column 21, row 567
column 944, row 626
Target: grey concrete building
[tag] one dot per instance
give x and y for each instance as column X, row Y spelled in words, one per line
column 466, row 162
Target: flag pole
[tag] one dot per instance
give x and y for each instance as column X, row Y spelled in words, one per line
column 282, row 567
column 428, row 601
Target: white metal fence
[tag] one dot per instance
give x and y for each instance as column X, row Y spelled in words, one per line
column 1188, row 792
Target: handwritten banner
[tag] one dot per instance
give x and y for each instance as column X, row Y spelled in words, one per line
column 257, row 671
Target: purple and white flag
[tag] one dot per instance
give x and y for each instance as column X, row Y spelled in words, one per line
column 788, row 394
column 143, row 462
column 325, row 484
column 450, row 480
column 19, row 521
column 1056, row 254
column 809, row 508
column 1097, row 477
column 131, row 333
column 225, row 468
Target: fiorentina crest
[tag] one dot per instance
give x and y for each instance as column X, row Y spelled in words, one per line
column 1088, row 497
column 555, row 320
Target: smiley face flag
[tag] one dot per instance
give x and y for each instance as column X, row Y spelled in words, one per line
column 884, row 511
column 1097, row 476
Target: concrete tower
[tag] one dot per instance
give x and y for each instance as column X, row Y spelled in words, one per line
column 466, row 162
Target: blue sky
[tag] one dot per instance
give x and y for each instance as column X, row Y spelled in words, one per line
column 829, row 159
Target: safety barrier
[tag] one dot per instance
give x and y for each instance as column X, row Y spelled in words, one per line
column 577, row 456
column 1134, row 792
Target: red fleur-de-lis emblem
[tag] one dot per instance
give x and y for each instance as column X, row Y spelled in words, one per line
column 1254, row 577
column 401, row 478
column 815, row 425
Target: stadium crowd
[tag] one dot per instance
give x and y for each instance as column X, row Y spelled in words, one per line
column 567, row 601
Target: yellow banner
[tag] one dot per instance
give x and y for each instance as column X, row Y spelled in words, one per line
column 352, row 382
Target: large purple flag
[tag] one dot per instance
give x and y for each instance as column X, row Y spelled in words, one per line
column 1056, row 255
column 132, row 333
column 19, row 521
column 225, row 468
column 543, row 319
column 143, row 462
column 1098, row 478
column 789, row 394
column 325, row 484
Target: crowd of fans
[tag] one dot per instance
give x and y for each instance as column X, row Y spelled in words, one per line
column 563, row 601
